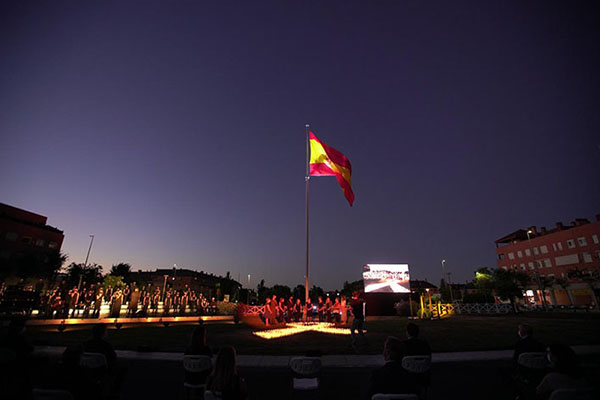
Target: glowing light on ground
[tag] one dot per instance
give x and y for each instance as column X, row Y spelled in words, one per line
column 296, row 328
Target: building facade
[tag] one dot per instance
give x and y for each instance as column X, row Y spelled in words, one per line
column 563, row 262
column 26, row 234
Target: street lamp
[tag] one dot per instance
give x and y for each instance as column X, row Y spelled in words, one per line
column 447, row 276
column 537, row 272
column 86, row 261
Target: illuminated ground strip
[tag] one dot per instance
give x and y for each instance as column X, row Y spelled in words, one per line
column 295, row 328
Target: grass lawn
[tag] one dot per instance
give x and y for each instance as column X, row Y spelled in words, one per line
column 458, row 333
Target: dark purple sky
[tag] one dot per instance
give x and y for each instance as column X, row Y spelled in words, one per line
column 174, row 131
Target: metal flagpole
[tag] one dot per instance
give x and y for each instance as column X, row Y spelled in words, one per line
column 307, row 179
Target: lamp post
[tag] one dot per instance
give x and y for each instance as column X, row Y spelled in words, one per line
column 537, row 272
column 447, row 278
column 86, row 261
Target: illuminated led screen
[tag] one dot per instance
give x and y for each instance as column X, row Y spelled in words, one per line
column 386, row 278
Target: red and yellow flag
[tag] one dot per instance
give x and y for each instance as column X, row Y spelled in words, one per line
column 327, row 161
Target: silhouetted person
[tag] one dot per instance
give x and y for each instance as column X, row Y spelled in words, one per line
column 413, row 346
column 14, row 367
column 392, row 378
column 74, row 378
column 566, row 372
column 98, row 344
column 225, row 378
column 526, row 343
column 198, row 347
column 359, row 317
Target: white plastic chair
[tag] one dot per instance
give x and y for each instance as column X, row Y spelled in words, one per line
column 195, row 364
column 45, row 394
column 416, row 364
column 533, row 360
column 307, row 369
column 93, row 360
column 382, row 396
column 573, row 394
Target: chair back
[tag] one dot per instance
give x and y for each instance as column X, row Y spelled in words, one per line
column 305, row 366
column 416, row 364
column 197, row 363
column 533, row 360
column 45, row 394
column 573, row 394
column 382, row 396
column 208, row 395
column 93, row 360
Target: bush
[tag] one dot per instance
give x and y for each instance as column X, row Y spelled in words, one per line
column 226, row 308
column 478, row 298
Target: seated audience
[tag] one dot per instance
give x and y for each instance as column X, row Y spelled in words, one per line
column 527, row 343
column 98, row 344
column 413, row 346
column 566, row 372
column 198, row 347
column 75, row 378
column 392, row 378
column 225, row 379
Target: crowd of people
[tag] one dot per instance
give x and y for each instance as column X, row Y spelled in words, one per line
column 295, row 310
column 223, row 377
column 88, row 301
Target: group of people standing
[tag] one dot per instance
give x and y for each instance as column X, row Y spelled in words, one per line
column 141, row 301
column 294, row 310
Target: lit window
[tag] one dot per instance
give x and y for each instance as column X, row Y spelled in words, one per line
column 582, row 241
column 544, row 249
column 547, row 263
column 519, row 254
column 52, row 245
column 511, row 256
column 528, row 252
column 571, row 243
column 536, row 251
column 559, row 244
column 595, row 239
column 11, row 236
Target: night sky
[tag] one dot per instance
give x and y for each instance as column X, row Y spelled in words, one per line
column 174, row 131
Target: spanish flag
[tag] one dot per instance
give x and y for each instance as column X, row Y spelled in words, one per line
column 327, row 161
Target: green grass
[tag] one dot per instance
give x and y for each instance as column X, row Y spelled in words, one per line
column 458, row 333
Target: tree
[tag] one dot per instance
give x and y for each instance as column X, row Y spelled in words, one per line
column 261, row 291
column 113, row 281
column 121, row 269
column 484, row 281
column 299, row 292
column 509, row 285
column 281, row 291
column 90, row 274
column 34, row 265
column 315, row 292
column 350, row 287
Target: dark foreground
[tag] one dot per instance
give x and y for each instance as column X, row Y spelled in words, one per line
column 156, row 379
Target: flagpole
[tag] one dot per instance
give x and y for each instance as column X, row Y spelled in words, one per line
column 307, row 179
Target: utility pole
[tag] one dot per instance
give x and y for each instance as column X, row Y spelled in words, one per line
column 85, row 264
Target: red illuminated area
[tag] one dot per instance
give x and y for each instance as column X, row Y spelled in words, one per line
column 566, row 258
